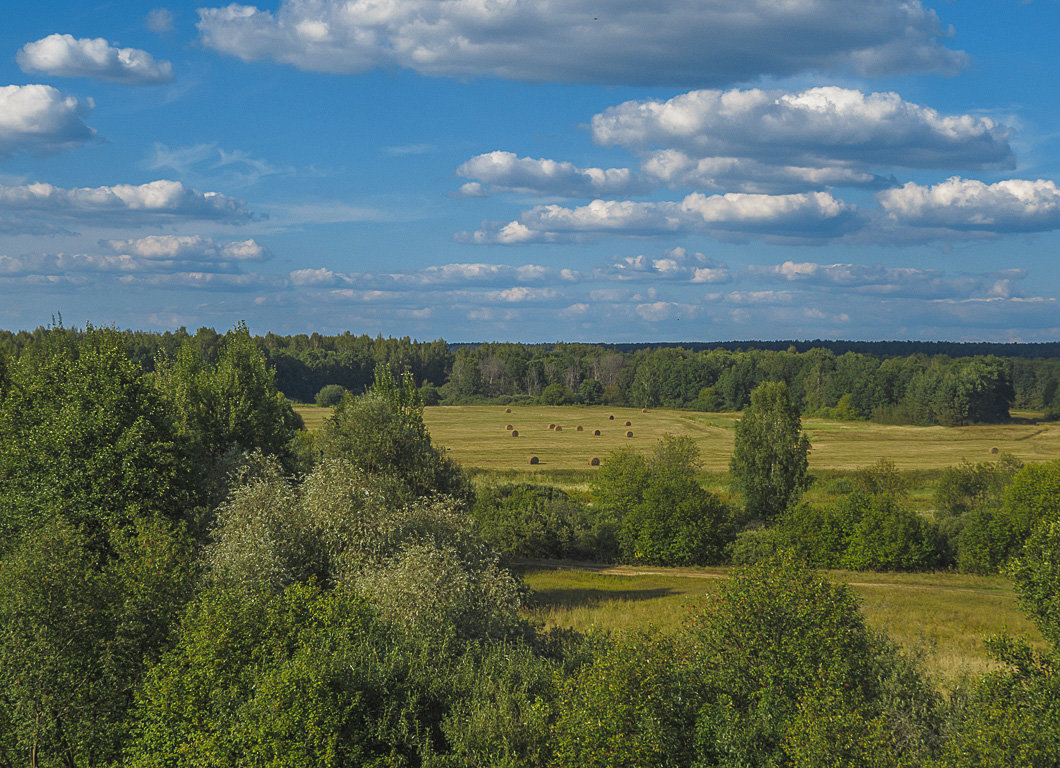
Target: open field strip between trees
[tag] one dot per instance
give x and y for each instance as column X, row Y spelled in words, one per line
column 476, row 436
column 946, row 616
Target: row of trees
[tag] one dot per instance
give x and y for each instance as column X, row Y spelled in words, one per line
column 887, row 383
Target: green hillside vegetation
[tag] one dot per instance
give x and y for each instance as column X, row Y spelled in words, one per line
column 189, row 578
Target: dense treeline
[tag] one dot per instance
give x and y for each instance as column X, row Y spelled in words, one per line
column 186, row 579
column 892, row 382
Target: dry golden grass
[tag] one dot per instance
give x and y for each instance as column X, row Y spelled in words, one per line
column 945, row 615
column 476, row 437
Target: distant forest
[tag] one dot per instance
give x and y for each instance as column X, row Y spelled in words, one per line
column 906, row 382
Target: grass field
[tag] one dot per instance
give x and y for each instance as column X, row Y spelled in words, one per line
column 476, row 437
column 946, row 616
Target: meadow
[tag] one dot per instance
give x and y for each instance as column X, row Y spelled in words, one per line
column 945, row 616
column 476, row 436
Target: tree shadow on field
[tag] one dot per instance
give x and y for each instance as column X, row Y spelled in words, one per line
column 588, row 597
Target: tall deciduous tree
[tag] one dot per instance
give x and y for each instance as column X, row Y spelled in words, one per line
column 770, row 457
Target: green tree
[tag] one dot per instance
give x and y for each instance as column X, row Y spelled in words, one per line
column 86, row 438
column 662, row 513
column 769, row 461
column 382, row 433
column 226, row 408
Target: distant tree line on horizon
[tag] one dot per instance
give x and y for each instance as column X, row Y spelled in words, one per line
column 889, row 382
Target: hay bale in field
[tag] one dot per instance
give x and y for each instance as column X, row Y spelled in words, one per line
column 629, row 434
column 643, row 410
column 994, row 449
column 509, row 427
column 559, row 428
column 579, row 427
column 551, row 426
column 515, row 433
column 532, row 460
column 596, row 433
column 507, row 410
column 594, row 462
column 610, row 417
column 629, row 423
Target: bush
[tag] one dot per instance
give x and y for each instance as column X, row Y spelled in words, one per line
column 329, row 395
column 889, row 537
column 819, row 536
column 537, row 521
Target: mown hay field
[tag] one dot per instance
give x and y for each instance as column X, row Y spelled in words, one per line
column 477, row 438
column 946, row 616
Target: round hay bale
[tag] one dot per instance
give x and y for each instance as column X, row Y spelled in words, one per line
column 532, row 460
column 610, row 417
column 507, row 410
column 629, row 434
column 579, row 427
column 515, row 433
column 551, row 426
column 994, row 449
column 559, row 428
column 643, row 410
column 509, row 427
column 629, row 423
column 596, row 433
column 594, row 462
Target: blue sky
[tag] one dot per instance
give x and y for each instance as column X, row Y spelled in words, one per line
column 535, row 171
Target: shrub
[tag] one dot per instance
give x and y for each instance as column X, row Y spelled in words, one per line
column 889, row 537
column 330, row 395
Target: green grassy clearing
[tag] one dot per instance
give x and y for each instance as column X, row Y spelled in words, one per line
column 945, row 616
column 476, row 437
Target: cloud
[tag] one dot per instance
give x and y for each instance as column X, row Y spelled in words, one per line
column 506, row 172
column 437, row 276
column 740, row 174
column 676, row 264
column 879, row 280
column 152, row 203
column 67, row 56
column 40, row 120
column 159, row 20
column 808, row 216
column 189, row 248
column 832, row 129
column 206, row 162
column 969, row 205
column 667, row 42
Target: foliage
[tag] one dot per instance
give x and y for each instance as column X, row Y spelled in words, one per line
column 994, row 533
column 329, row 395
column 225, row 408
column 967, row 486
column 819, row 536
column 382, row 433
column 1036, row 573
column 769, row 461
column 303, row 678
column 85, row 438
column 77, row 633
column 779, row 643
column 634, row 705
column 539, row 521
column 889, row 537
column 663, row 515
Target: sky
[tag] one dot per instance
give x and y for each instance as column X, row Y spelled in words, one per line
column 535, row 170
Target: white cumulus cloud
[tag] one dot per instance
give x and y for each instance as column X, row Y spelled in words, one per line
column 676, row 264
column 807, row 216
column 507, row 172
column 67, row 56
column 969, row 205
column 189, row 248
column 602, row 41
column 155, row 202
column 40, row 120
column 815, row 128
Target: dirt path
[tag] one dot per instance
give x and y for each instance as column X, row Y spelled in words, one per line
column 630, row 570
